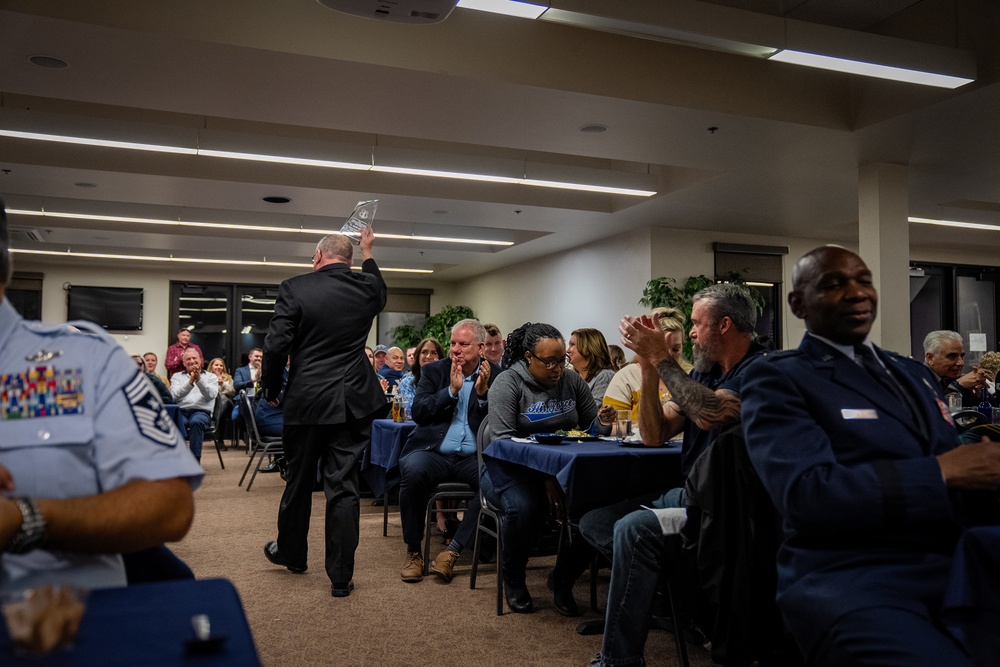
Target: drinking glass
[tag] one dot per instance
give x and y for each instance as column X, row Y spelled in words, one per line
column 624, row 424
column 954, row 402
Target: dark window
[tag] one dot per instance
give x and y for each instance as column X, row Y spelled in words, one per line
column 760, row 267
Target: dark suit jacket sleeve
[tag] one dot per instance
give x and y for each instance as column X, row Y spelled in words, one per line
column 827, row 473
column 369, row 266
column 284, row 324
column 241, row 379
column 433, row 402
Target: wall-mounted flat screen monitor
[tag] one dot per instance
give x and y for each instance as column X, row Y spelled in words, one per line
column 114, row 308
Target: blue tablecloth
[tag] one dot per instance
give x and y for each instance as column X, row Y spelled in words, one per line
column 383, row 453
column 592, row 474
column 148, row 624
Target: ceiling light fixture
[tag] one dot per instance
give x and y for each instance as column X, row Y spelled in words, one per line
column 193, row 260
column 870, row 69
column 748, row 33
column 91, row 141
column 241, row 227
column 19, row 124
column 524, row 10
column 955, row 223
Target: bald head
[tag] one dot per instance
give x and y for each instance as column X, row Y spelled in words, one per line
column 832, row 291
column 332, row 249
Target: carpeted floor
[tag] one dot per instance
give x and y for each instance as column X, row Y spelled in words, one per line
column 384, row 622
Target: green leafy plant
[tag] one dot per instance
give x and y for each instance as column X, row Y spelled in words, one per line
column 436, row 326
column 405, row 336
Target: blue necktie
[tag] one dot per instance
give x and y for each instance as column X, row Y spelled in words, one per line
column 871, row 364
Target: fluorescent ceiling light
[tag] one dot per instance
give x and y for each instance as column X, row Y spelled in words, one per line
column 91, row 141
column 589, row 188
column 411, row 171
column 240, row 227
column 955, row 223
column 733, row 30
column 869, row 69
column 365, row 158
column 193, row 260
column 524, row 10
column 309, row 162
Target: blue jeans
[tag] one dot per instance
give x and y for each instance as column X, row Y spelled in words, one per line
column 196, row 421
column 638, row 549
column 525, row 507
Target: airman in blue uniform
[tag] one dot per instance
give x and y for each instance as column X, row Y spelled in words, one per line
column 98, row 467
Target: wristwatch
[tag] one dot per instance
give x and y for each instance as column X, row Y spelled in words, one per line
column 32, row 531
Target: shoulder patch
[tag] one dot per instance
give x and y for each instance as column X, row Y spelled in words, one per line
column 150, row 416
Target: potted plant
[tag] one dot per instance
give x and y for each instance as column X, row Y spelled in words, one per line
column 436, row 326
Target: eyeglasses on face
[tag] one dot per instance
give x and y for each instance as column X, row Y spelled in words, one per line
column 550, row 364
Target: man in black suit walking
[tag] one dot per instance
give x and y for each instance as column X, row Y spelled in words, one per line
column 322, row 320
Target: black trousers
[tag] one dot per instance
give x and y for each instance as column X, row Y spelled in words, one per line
column 420, row 473
column 335, row 448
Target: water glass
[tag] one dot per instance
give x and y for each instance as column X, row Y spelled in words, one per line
column 996, row 415
column 954, row 402
column 623, row 423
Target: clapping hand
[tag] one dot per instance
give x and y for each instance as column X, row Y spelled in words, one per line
column 457, row 379
column 644, row 336
column 483, row 380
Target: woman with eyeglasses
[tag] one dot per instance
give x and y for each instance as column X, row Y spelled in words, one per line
column 536, row 395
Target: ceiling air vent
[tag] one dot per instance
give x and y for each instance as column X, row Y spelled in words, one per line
column 402, row 11
column 25, row 235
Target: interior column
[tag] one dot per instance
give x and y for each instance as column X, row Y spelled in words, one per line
column 884, row 244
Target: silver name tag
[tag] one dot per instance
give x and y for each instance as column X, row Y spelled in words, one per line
column 847, row 413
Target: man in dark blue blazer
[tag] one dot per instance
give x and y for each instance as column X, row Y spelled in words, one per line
column 244, row 377
column 449, row 406
column 859, row 455
column 322, row 319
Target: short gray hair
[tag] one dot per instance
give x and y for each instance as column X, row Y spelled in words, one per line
column 732, row 301
column 336, row 245
column 935, row 339
column 478, row 330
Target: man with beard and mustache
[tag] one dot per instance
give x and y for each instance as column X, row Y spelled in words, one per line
column 703, row 403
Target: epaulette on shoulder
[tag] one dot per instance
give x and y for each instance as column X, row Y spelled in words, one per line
column 74, row 328
column 778, row 355
column 901, row 358
column 80, row 326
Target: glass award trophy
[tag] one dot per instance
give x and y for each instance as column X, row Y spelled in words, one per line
column 362, row 216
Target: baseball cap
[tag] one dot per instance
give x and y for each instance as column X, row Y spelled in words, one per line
column 381, row 348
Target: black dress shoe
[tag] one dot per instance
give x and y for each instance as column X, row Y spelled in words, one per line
column 342, row 590
column 563, row 599
column 270, row 467
column 271, row 553
column 518, row 598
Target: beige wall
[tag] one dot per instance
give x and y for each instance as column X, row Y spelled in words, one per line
column 590, row 286
column 593, row 285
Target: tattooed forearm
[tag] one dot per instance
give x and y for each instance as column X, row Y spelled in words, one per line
column 701, row 405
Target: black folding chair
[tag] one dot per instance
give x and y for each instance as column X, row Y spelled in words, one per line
column 260, row 445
